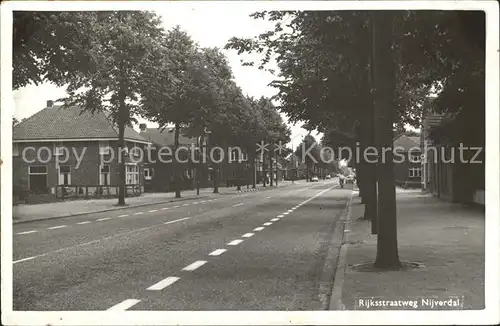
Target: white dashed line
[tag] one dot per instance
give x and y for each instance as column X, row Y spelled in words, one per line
column 281, row 215
column 236, row 205
column 153, row 210
column 203, row 201
column 138, row 213
column 275, row 219
column 247, row 235
column 176, row 206
column 267, row 223
column 235, row 242
column 24, row 259
column 163, row 283
column 174, row 221
column 124, row 305
column 27, row 232
column 103, row 219
column 84, row 222
column 185, row 205
column 164, row 208
column 124, row 215
column 260, row 228
column 194, row 265
column 268, row 197
column 57, row 227
column 217, row 252
column 286, row 213
column 196, row 203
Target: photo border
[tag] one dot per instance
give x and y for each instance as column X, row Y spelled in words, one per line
column 489, row 315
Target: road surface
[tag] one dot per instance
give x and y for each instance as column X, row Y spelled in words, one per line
column 262, row 250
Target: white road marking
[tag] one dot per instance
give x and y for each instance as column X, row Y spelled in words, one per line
column 203, row 201
column 163, row 283
column 164, row 208
column 124, row 305
column 217, row 252
column 260, row 228
column 286, row 213
column 138, row 213
column 24, row 259
column 98, row 240
column 236, row 205
column 196, row 202
column 123, row 215
column 194, row 265
column 153, row 210
column 185, row 205
column 103, row 219
column 268, row 197
column 267, row 223
column 84, row 222
column 247, row 235
column 281, row 215
column 235, row 242
column 174, row 221
column 27, row 232
column 57, row 227
column 275, row 219
column 176, row 206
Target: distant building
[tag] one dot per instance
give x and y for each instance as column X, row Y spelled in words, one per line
column 44, row 137
column 407, row 161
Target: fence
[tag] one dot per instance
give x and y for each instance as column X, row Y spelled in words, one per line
column 93, row 191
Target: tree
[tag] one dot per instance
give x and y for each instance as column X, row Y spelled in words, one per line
column 182, row 89
column 105, row 69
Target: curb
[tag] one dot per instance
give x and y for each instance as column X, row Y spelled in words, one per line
column 331, row 259
column 338, row 281
column 107, row 210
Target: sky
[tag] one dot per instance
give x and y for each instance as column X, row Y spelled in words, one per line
column 209, row 27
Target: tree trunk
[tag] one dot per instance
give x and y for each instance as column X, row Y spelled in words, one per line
column 122, row 120
column 270, row 170
column 176, row 164
column 276, row 163
column 384, row 80
column 253, row 173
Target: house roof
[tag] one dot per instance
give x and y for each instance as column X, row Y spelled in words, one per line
column 58, row 123
column 407, row 142
column 166, row 137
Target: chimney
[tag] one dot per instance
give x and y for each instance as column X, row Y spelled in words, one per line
column 50, row 104
column 142, row 126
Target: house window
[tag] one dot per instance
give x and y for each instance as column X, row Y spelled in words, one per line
column 414, row 172
column 15, row 149
column 37, row 178
column 64, row 175
column 148, row 173
column 104, row 147
column 131, row 174
column 416, row 158
column 58, row 149
column 104, row 175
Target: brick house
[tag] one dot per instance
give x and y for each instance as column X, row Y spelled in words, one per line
column 407, row 161
column 59, row 147
column 159, row 175
column 444, row 175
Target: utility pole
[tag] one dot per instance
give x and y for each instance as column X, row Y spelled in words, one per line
column 384, row 82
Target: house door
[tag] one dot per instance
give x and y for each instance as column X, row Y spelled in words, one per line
column 104, row 176
column 64, row 175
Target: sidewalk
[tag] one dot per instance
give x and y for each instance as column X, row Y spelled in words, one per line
column 446, row 239
column 28, row 213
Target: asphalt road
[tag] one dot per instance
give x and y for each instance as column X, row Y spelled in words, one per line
column 261, row 250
